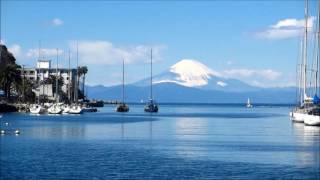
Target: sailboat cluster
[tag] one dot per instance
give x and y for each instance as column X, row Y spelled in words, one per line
column 72, row 106
column 307, row 110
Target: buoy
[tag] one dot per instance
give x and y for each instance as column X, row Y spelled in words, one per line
column 17, row 131
column 2, row 132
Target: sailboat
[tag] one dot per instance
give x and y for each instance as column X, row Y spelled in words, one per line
column 249, row 105
column 76, row 108
column 308, row 109
column 66, row 107
column 56, row 107
column 38, row 108
column 151, row 106
column 122, row 107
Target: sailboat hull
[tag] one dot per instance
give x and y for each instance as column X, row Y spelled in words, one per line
column 122, row 108
column 297, row 117
column 312, row 120
column 75, row 110
column 151, row 108
column 55, row 109
column 37, row 109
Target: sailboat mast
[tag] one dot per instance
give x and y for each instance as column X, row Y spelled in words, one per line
column 317, row 52
column 69, row 81
column 305, row 57
column 76, row 81
column 300, row 71
column 151, row 93
column 123, row 81
column 39, row 71
column 57, row 76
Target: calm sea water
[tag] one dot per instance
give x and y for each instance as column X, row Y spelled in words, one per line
column 179, row 142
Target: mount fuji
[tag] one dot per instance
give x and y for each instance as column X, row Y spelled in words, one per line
column 194, row 74
column 190, row 81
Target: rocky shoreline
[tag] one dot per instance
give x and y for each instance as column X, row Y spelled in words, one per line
column 4, row 108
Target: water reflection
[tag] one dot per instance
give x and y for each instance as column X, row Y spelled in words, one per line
column 58, row 131
column 191, row 134
column 309, row 139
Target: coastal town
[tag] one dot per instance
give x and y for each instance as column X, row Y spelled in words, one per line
column 42, row 85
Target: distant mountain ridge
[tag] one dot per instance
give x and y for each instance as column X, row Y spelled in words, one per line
column 175, row 93
column 190, row 81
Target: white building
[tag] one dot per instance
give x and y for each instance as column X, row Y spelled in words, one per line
column 43, row 71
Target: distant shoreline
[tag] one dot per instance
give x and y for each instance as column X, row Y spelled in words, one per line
column 218, row 104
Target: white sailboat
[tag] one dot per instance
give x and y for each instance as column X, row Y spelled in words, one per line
column 38, row 108
column 249, row 105
column 66, row 107
column 76, row 108
column 308, row 110
column 56, row 107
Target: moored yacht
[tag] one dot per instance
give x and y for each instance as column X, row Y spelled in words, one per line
column 122, row 107
column 75, row 109
column 37, row 109
column 56, row 107
column 151, row 106
column 65, row 108
column 308, row 108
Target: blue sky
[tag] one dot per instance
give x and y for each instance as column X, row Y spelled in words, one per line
column 247, row 40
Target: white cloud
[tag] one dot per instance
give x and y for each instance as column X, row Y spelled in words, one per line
column 230, row 62
column 2, row 41
column 221, row 83
column 257, row 77
column 268, row 74
column 56, row 22
column 286, row 28
column 104, row 52
column 15, row 49
column 44, row 53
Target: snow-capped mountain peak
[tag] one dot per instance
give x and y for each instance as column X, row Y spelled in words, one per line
column 192, row 73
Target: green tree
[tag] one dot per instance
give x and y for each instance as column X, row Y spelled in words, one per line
column 10, row 78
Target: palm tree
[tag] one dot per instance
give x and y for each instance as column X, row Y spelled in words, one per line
column 9, row 71
column 82, row 71
column 8, row 76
